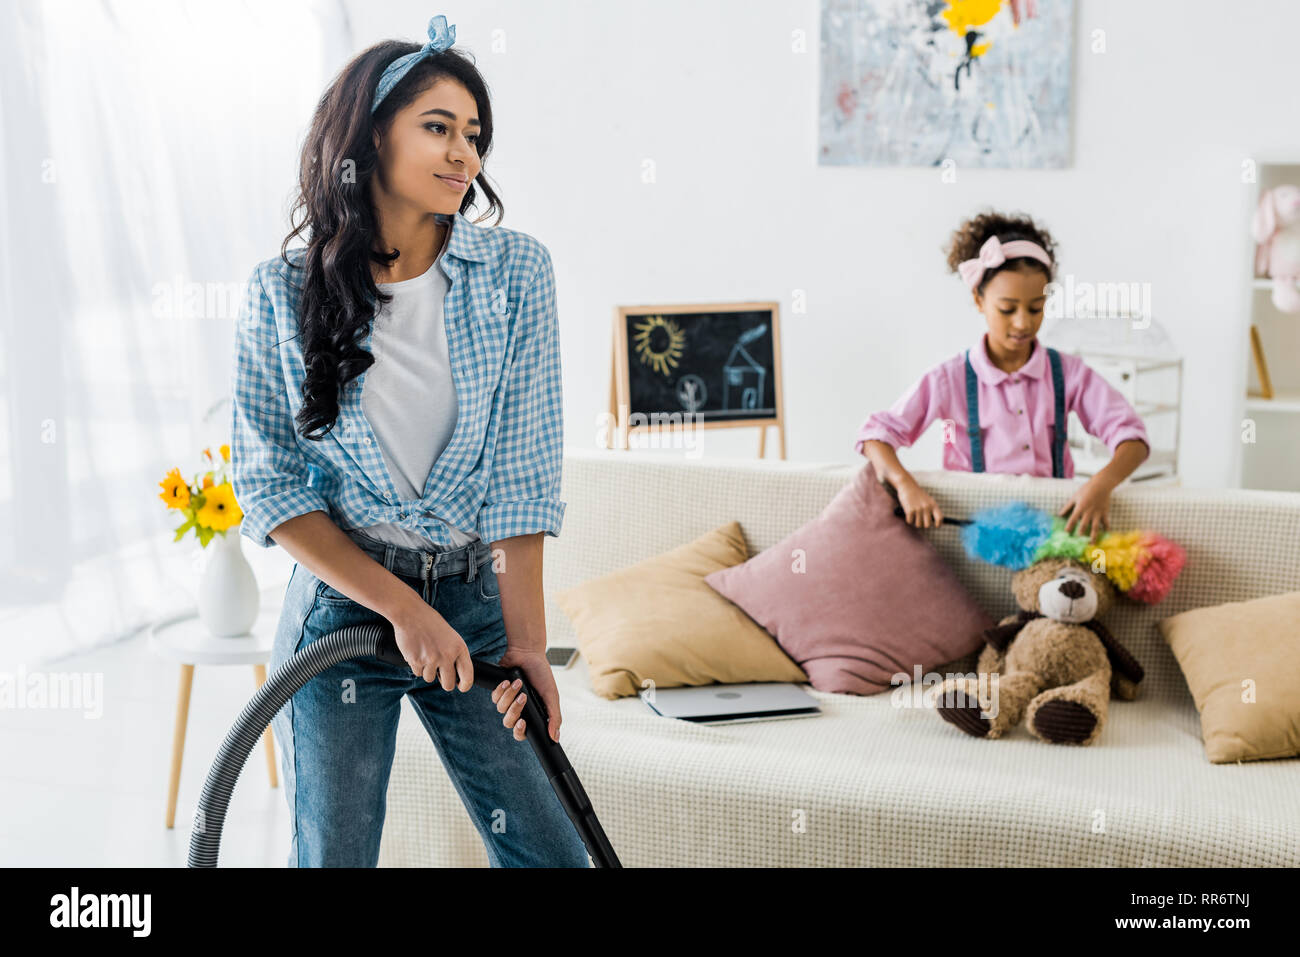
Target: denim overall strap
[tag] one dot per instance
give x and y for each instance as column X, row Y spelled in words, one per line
column 1058, row 430
column 973, row 418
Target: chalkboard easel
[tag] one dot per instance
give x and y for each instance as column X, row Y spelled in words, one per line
column 696, row 366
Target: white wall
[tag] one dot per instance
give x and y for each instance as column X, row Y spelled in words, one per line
column 711, row 91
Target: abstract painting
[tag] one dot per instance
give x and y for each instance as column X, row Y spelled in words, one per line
column 977, row 83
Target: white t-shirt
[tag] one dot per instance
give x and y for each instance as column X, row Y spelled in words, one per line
column 409, row 396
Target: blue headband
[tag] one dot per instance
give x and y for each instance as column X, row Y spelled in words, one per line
column 441, row 37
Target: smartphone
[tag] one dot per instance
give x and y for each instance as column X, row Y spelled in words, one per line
column 561, row 656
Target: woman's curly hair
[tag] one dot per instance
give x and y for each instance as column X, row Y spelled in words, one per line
column 967, row 239
column 338, row 297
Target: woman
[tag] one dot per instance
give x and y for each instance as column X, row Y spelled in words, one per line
column 397, row 428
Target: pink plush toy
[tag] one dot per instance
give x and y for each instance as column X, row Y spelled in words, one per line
column 1276, row 227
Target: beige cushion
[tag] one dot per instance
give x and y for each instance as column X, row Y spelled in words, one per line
column 658, row 621
column 1242, row 664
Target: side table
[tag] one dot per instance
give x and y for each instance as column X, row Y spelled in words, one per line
column 183, row 638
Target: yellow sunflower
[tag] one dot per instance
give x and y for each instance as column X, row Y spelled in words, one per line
column 220, row 511
column 174, row 490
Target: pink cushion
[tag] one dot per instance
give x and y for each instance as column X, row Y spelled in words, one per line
column 857, row 595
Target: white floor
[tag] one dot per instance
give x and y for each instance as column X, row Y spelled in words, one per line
column 77, row 791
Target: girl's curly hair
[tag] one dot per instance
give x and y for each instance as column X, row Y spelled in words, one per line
column 333, row 211
column 967, row 239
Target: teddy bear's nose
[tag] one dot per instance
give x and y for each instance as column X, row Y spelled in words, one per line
column 1073, row 589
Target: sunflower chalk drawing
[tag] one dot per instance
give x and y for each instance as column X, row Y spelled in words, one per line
column 659, row 343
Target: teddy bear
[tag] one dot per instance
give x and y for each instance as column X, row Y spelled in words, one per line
column 1052, row 665
column 1276, row 228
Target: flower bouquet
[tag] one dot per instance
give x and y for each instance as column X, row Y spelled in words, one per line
column 228, row 599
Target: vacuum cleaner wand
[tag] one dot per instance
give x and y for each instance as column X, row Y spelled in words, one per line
column 378, row 640
column 552, row 757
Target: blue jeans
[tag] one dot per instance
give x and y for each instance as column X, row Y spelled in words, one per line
column 337, row 734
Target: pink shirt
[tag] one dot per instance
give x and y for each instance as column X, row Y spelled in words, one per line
column 1016, row 410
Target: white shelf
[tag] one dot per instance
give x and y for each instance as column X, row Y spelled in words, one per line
column 1270, row 457
column 1151, row 408
column 1281, row 402
column 1161, row 462
column 1149, row 388
column 1143, row 473
column 1265, row 283
column 1159, row 459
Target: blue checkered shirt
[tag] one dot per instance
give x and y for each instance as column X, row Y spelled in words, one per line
column 500, row 472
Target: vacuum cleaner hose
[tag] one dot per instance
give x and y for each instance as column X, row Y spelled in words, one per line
column 352, row 642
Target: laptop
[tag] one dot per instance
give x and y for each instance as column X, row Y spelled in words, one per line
column 733, row 703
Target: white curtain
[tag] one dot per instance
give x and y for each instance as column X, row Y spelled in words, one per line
column 149, row 151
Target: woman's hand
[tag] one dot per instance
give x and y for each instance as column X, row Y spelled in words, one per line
column 1090, row 508
column 433, row 649
column 510, row 700
column 919, row 508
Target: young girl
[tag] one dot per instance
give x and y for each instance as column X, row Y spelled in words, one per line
column 428, row 452
column 1004, row 401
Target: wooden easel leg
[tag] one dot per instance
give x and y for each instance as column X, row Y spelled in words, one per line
column 762, row 441
column 612, row 442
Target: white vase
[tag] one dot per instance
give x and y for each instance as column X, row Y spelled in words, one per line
column 228, row 595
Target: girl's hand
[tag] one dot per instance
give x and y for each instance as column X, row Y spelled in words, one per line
column 919, row 508
column 510, row 700
column 1090, row 507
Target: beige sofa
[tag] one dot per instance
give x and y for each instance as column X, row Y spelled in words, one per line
column 868, row 783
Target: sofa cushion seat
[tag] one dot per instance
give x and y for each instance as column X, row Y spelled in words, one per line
column 872, row 784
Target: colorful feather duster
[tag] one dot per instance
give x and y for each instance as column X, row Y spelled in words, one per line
column 1141, row 565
